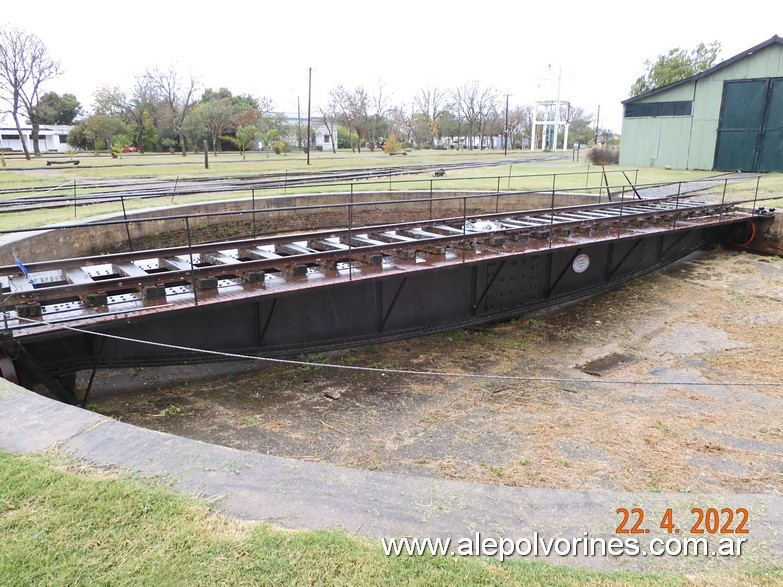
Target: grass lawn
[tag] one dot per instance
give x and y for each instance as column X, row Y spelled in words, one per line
column 502, row 175
column 63, row 523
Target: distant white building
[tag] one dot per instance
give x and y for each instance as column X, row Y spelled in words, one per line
column 323, row 138
column 51, row 137
column 489, row 142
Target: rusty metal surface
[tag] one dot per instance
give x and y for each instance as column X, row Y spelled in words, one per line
column 92, row 290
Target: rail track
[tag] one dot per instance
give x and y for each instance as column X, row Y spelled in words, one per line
column 62, row 195
column 293, row 292
column 99, row 287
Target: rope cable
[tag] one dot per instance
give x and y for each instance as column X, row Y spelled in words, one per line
column 409, row 371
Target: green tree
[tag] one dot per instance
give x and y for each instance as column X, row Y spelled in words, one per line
column 676, row 65
column 134, row 108
column 244, row 138
column 580, row 129
column 268, row 137
column 101, row 129
column 218, row 117
column 449, row 126
column 78, row 136
column 345, row 139
column 56, row 109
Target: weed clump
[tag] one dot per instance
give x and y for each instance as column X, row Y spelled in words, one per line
column 603, row 155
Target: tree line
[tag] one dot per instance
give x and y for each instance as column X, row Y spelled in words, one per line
column 164, row 110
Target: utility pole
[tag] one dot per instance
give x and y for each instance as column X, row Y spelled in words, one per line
column 309, row 93
column 557, row 109
column 505, row 130
column 597, row 119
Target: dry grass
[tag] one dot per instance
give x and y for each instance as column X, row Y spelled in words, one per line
column 700, row 322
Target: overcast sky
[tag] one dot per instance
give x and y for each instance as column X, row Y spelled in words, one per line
column 265, row 48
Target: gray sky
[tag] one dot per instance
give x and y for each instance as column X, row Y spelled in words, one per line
column 265, row 48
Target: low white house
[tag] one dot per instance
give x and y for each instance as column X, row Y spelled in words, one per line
column 51, row 137
column 490, row 142
column 322, row 137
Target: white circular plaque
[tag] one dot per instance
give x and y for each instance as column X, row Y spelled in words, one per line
column 581, row 263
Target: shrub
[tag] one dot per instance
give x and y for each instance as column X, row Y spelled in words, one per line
column 392, row 145
column 603, row 155
column 116, row 149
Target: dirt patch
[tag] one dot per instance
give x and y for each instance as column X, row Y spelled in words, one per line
column 713, row 319
column 603, row 365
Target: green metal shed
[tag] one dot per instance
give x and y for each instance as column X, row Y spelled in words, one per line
column 727, row 118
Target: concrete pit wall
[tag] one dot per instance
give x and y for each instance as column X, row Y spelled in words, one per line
column 770, row 238
column 307, row 212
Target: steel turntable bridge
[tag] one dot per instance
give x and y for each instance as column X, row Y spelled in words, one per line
column 305, row 291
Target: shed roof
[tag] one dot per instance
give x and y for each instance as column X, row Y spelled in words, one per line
column 774, row 40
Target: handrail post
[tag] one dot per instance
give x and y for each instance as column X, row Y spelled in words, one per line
column 253, row 200
column 677, row 204
column 464, row 227
column 350, row 237
column 756, row 194
column 127, row 228
column 190, row 253
column 551, row 218
column 431, row 199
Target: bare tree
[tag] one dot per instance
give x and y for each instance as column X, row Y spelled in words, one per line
column 24, row 65
column 351, row 109
column 431, row 104
column 263, row 106
column 473, row 104
column 329, row 117
column 178, row 94
column 403, row 119
column 492, row 125
column 360, row 103
column 486, row 113
column 455, row 116
column 111, row 101
column 520, row 122
column 376, row 121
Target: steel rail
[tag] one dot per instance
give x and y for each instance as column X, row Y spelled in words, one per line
column 325, row 233
column 193, row 273
column 471, row 196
